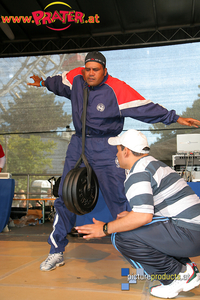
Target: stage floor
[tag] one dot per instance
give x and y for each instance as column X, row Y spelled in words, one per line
column 92, row 269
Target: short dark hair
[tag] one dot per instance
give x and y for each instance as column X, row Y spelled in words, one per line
column 136, row 153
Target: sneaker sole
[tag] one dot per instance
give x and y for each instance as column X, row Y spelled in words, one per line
column 169, row 296
column 53, row 268
column 191, row 285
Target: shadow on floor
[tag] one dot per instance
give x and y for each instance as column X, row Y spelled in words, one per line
column 40, row 233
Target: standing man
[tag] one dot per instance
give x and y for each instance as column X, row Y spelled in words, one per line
column 109, row 101
column 162, row 230
column 2, row 158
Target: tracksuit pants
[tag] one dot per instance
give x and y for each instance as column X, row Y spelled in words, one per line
column 102, row 158
column 159, row 248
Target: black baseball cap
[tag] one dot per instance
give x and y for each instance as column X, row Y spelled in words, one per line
column 96, row 56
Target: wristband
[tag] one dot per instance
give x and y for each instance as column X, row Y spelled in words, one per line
column 41, row 83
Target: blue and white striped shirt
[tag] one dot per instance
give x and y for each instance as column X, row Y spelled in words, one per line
column 153, row 187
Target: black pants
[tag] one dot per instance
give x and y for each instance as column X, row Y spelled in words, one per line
column 158, row 248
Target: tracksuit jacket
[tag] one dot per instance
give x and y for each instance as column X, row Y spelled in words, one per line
column 108, row 104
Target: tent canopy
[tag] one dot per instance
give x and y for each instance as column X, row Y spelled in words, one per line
column 39, row 26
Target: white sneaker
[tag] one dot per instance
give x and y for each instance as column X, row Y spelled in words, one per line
column 195, row 268
column 185, row 282
column 52, row 261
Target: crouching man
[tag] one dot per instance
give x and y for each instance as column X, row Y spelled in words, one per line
column 163, row 229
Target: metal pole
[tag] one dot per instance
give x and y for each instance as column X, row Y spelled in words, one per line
column 27, row 195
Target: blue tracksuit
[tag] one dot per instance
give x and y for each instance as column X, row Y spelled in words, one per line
column 108, row 104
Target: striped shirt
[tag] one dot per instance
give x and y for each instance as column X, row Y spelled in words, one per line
column 153, row 187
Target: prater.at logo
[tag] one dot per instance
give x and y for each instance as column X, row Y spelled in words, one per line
column 56, row 16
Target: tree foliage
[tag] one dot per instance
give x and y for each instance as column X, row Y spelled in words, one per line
column 27, row 154
column 169, row 131
column 165, row 146
column 34, row 110
column 28, row 110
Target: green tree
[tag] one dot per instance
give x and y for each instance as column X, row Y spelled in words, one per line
column 169, row 131
column 28, row 111
column 27, row 155
column 35, row 110
column 165, row 146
